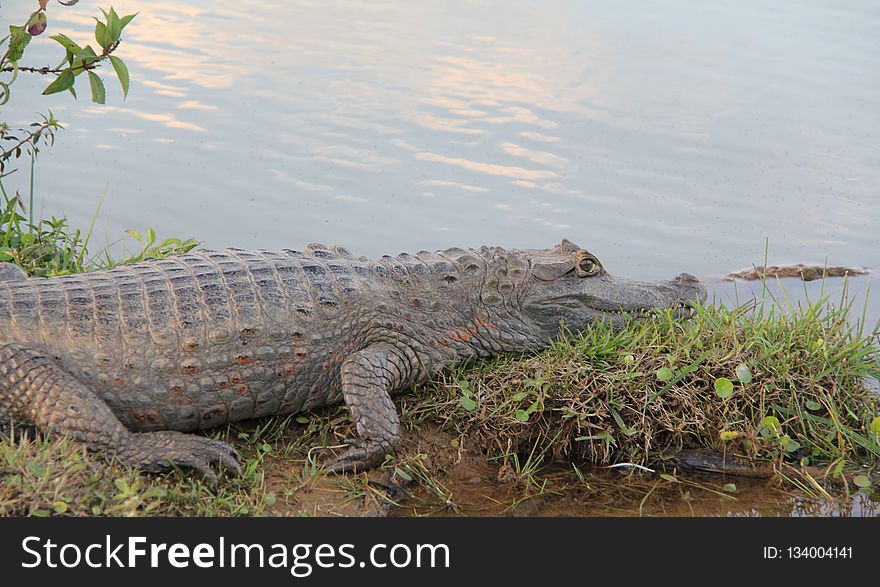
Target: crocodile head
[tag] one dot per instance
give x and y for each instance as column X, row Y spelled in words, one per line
column 569, row 285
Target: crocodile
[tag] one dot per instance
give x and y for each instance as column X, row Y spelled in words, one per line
column 130, row 360
column 805, row 272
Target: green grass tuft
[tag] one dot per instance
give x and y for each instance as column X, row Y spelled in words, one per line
column 757, row 385
column 47, row 248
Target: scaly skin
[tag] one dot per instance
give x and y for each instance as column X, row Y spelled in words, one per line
column 126, row 359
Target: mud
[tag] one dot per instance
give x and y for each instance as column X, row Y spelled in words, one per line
column 438, row 474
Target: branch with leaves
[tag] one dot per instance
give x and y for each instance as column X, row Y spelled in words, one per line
column 33, row 135
column 77, row 59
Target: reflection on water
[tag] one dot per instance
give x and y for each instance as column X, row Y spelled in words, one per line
column 689, row 131
column 603, row 492
column 669, row 137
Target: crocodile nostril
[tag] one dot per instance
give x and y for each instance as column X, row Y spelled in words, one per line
column 687, row 278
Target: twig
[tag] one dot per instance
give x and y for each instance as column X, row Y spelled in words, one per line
column 27, row 139
column 46, row 70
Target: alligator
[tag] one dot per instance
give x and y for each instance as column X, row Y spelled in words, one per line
column 128, row 360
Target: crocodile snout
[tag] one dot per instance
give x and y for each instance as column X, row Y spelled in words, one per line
column 693, row 285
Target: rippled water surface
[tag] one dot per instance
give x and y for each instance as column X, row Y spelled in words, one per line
column 665, row 136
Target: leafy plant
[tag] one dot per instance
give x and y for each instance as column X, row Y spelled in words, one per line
column 49, row 247
column 76, row 61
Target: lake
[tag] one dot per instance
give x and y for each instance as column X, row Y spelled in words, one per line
column 665, row 137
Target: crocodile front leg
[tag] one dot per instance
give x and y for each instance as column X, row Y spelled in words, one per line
column 36, row 391
column 368, row 378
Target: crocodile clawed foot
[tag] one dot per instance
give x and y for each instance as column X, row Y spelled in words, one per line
column 155, row 452
column 362, row 455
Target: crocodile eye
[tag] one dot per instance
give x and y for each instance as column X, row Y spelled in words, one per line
column 587, row 267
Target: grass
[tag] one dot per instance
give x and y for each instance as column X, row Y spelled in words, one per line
column 47, row 248
column 773, row 382
column 791, row 389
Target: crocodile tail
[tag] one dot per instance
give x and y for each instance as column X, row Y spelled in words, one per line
column 10, row 272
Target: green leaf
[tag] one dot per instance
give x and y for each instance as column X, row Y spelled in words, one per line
column 723, row 387
column 812, row 405
column 743, row 373
column 467, row 403
column 769, row 427
column 60, row 507
column 521, row 416
column 154, row 493
column 617, row 418
column 121, row 72
column 302, row 420
column 61, row 83
column 67, row 43
column 788, row 444
column 862, row 481
column 670, row 478
column 114, row 27
column 729, row 487
column 98, row 92
column 86, row 56
column 126, row 19
column 728, row 435
column 665, row 374
column 18, row 40
column 101, row 35
column 875, row 425
column 398, row 472
column 134, row 234
column 86, row 53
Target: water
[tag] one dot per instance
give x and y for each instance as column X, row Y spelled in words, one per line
column 665, row 137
